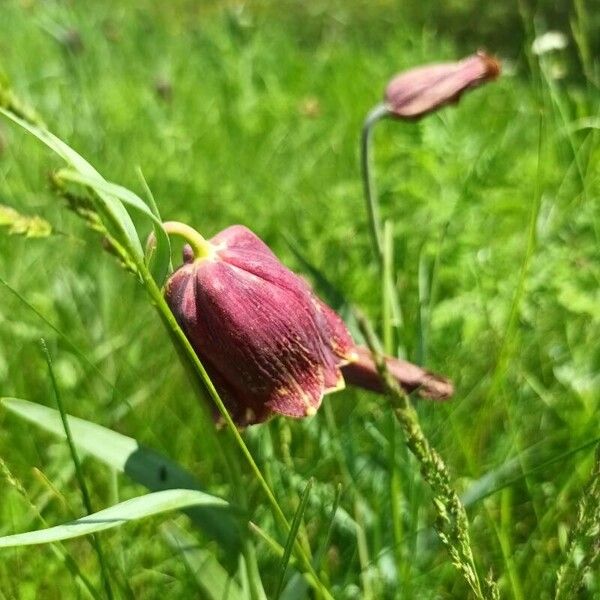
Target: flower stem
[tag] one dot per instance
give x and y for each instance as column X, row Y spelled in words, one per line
column 135, row 261
column 200, row 246
column 375, row 114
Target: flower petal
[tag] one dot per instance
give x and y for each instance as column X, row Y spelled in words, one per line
column 422, row 90
column 261, row 338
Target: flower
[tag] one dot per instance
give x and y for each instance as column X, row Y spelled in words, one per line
column 422, row 90
column 267, row 342
column 363, row 373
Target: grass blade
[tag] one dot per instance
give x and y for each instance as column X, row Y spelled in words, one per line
column 212, row 579
column 289, row 544
column 297, row 588
column 161, row 255
column 160, row 261
column 130, row 510
column 101, row 186
column 125, row 455
column 108, row 202
column 78, row 471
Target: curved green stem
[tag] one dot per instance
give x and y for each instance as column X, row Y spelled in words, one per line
column 200, row 246
column 202, row 249
column 197, row 241
column 375, row 114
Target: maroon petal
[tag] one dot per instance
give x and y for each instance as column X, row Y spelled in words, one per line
column 422, row 90
column 272, row 345
column 363, row 373
column 334, row 328
column 261, row 338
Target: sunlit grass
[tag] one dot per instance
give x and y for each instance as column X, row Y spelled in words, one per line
column 254, row 117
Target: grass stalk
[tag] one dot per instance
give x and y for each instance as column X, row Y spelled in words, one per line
column 78, row 472
column 370, row 193
column 451, row 523
column 298, row 517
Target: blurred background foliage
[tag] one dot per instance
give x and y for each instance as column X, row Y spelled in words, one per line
column 250, row 113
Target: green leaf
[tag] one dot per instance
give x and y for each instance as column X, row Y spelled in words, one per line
column 125, row 455
column 114, row 516
column 160, row 257
column 162, row 252
column 101, row 186
column 289, row 544
column 110, row 205
column 55, row 144
column 212, row 579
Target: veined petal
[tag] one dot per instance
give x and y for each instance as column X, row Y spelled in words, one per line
column 263, row 339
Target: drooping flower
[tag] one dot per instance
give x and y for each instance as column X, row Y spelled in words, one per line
column 268, row 343
column 419, row 91
column 409, row 96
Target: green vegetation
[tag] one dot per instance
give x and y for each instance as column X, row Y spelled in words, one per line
column 252, row 114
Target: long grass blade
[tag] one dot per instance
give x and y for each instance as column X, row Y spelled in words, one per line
column 289, row 544
column 78, row 470
column 109, row 203
column 135, row 509
column 125, row 455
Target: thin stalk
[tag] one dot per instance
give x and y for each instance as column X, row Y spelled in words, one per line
column 256, row 588
column 452, row 523
column 387, row 286
column 366, row 165
column 285, row 438
column 78, row 471
column 396, row 501
column 298, row 517
column 363, row 552
column 503, row 532
column 349, row 484
column 326, row 540
column 279, row 550
column 201, row 247
column 165, row 312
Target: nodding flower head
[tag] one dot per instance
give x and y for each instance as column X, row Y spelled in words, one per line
column 419, row 91
column 267, row 342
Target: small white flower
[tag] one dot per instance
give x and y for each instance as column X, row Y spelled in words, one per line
column 549, row 42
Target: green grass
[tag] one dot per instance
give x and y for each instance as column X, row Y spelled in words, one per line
column 253, row 116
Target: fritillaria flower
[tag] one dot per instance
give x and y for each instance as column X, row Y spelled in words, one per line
column 421, row 90
column 267, row 342
column 411, row 95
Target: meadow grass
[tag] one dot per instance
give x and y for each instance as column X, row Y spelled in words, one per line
column 253, row 115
